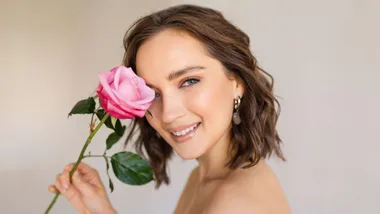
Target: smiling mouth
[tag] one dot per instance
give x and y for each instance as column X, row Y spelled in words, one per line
column 185, row 134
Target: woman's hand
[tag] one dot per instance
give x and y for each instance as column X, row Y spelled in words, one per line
column 86, row 193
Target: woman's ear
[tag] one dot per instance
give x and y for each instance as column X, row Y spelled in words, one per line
column 238, row 87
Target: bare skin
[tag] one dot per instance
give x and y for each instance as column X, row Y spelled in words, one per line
column 187, row 98
column 252, row 190
column 86, row 193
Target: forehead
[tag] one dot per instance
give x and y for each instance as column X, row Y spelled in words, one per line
column 167, row 51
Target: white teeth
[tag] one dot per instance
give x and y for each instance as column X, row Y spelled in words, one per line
column 185, row 131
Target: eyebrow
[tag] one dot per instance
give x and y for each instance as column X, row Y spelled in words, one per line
column 176, row 74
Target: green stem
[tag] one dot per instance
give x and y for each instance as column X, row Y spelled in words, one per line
column 96, row 156
column 81, row 156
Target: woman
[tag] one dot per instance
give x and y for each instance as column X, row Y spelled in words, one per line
column 213, row 103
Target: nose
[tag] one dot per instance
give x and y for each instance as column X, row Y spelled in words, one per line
column 172, row 109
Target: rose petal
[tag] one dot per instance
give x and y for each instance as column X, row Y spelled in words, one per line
column 146, row 95
column 138, row 113
column 117, row 77
column 126, row 105
column 103, row 77
column 117, row 112
column 123, row 94
column 126, row 73
column 127, row 91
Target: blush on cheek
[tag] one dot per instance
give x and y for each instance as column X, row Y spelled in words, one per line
column 210, row 101
column 215, row 97
column 201, row 101
column 214, row 105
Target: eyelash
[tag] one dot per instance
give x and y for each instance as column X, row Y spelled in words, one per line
column 188, row 80
column 192, row 79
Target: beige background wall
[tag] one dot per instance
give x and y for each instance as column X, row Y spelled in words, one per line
column 324, row 55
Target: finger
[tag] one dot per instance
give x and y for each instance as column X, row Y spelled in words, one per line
column 86, row 169
column 84, row 187
column 88, row 174
column 74, row 196
column 70, row 191
column 93, row 178
column 61, row 185
column 52, row 189
column 82, row 167
column 69, row 167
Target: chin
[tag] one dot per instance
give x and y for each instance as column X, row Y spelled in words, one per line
column 189, row 155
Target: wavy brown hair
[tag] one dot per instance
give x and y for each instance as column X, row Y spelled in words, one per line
column 256, row 136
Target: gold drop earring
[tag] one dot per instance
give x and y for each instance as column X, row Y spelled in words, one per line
column 235, row 116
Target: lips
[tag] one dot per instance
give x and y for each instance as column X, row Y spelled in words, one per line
column 186, row 133
column 181, row 128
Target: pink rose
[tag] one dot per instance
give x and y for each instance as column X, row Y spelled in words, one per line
column 123, row 94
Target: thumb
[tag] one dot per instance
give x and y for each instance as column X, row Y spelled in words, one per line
column 85, row 188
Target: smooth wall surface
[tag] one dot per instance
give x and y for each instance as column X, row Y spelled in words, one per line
column 324, row 56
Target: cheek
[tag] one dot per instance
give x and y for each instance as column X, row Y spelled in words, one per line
column 213, row 103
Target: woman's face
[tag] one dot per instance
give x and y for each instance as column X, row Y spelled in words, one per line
column 193, row 107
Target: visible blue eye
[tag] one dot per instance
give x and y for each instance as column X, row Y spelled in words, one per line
column 189, row 82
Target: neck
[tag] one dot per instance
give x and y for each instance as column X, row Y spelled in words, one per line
column 212, row 165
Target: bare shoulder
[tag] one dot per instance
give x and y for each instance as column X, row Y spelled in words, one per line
column 252, row 190
column 181, row 204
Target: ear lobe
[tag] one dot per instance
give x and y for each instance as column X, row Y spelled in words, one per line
column 239, row 88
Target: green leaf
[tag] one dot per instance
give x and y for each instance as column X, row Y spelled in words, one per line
column 131, row 169
column 113, row 138
column 100, row 114
column 86, row 106
column 109, row 179
column 117, row 127
column 113, row 121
